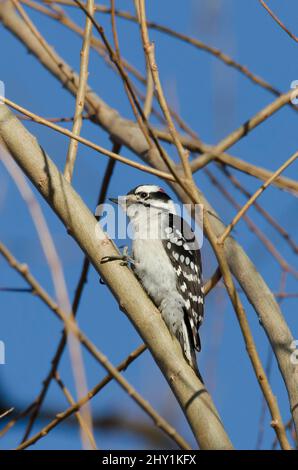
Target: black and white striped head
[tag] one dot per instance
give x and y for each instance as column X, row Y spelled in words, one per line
column 143, row 198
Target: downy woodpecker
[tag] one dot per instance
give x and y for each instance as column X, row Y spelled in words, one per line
column 167, row 262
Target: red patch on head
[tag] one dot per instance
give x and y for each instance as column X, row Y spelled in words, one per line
column 161, row 190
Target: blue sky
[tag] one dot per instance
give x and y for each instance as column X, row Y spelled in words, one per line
column 214, row 100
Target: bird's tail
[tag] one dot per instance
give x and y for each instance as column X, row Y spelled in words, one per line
column 188, row 348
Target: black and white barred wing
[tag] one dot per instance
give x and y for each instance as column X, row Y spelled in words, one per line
column 182, row 248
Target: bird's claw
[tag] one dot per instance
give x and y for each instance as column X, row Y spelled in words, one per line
column 124, row 258
column 107, row 259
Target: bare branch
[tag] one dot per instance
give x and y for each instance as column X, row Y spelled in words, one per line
column 80, row 98
column 212, row 282
column 243, row 130
column 150, row 58
column 278, row 21
column 6, row 413
column 254, row 228
column 253, row 198
column 71, row 401
column 271, row 220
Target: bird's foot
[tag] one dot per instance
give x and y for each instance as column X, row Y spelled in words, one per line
column 124, row 258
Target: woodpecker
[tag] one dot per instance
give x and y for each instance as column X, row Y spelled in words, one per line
column 167, row 261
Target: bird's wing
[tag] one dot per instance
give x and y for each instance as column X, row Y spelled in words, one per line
column 182, row 248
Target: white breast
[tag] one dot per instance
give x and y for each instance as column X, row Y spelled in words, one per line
column 154, row 269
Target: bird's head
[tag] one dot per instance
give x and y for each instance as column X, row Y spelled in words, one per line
column 144, row 198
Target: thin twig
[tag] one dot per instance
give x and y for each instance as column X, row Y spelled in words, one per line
column 5, row 413
column 212, row 282
column 72, row 402
column 267, row 216
column 288, row 426
column 52, row 119
column 15, row 419
column 114, row 29
column 244, row 130
column 37, row 34
column 278, row 21
column 260, row 435
column 253, row 227
column 137, row 110
column 245, row 208
column 263, row 406
column 80, row 98
column 286, row 295
column 16, row 289
column 149, row 80
column 234, row 162
column 150, row 57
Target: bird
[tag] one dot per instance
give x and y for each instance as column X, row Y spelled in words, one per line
column 167, row 261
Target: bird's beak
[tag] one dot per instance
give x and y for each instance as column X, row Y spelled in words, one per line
column 123, row 200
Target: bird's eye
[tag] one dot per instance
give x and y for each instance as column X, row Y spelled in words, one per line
column 143, row 195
